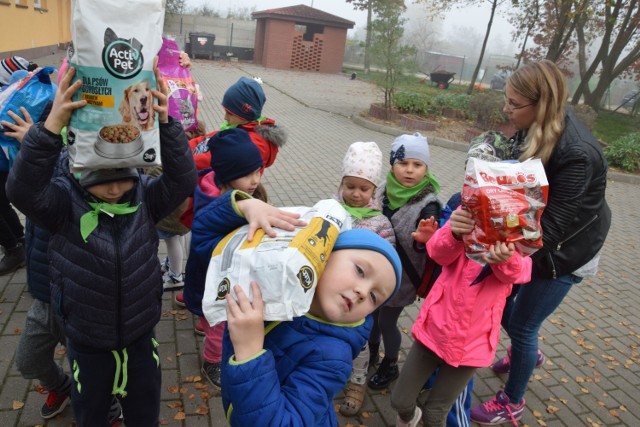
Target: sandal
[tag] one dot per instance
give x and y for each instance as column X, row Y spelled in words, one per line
column 353, row 399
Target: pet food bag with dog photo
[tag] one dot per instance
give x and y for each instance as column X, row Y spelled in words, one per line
column 286, row 267
column 113, row 50
column 507, row 201
column 183, row 97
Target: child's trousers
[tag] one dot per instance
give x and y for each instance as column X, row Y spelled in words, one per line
column 420, row 364
column 212, row 340
column 133, row 374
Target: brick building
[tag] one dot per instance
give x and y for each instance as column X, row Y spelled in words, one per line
column 300, row 38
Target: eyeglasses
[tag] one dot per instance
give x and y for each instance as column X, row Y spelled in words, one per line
column 513, row 107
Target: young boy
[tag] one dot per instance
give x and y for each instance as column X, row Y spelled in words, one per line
column 106, row 285
column 289, row 372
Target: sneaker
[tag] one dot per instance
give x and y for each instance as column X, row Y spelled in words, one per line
column 55, row 404
column 387, row 373
column 164, row 265
column 179, row 300
column 417, row 416
column 115, row 416
column 503, row 365
column 211, row 372
column 12, row 260
column 171, row 281
column 498, row 410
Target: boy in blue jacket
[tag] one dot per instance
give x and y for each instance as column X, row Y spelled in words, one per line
column 288, row 373
column 106, row 284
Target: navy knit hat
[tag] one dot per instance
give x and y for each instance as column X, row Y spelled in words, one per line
column 90, row 177
column 245, row 98
column 233, row 155
column 360, row 238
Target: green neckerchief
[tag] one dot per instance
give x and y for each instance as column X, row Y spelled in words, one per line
column 361, row 212
column 399, row 195
column 89, row 220
column 225, row 125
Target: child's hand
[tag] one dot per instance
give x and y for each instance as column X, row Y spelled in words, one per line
column 185, row 61
column 245, row 321
column 63, row 106
column 500, row 252
column 262, row 215
column 161, row 94
column 20, row 127
column 461, row 223
column 426, row 228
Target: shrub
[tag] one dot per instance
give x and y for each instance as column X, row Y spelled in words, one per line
column 624, row 152
column 486, row 108
column 412, row 103
column 457, row 101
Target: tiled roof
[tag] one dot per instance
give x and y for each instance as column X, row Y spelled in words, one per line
column 305, row 14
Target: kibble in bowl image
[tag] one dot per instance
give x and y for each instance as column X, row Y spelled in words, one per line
column 120, row 141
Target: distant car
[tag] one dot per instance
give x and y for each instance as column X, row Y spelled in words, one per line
column 630, row 99
column 499, row 79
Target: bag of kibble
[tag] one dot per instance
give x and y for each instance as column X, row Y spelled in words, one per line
column 113, row 51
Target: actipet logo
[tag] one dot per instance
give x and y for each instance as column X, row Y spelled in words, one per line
column 518, row 178
column 223, row 289
column 305, row 277
column 122, row 58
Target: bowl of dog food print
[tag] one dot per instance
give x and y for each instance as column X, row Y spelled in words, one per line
column 119, row 141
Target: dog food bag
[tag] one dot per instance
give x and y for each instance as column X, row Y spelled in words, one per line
column 183, row 97
column 113, row 49
column 286, row 267
column 507, row 201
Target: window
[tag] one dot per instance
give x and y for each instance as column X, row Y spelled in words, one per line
column 309, row 31
column 39, row 4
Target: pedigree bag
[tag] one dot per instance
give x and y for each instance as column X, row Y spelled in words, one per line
column 286, row 267
column 113, row 49
column 507, row 201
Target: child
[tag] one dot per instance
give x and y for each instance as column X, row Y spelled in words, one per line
column 361, row 169
column 105, row 279
column 235, row 165
column 289, row 372
column 458, row 327
column 409, row 195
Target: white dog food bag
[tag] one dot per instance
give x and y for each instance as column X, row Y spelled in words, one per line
column 113, row 50
column 286, row 267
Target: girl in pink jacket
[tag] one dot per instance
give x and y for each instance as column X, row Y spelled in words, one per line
column 458, row 327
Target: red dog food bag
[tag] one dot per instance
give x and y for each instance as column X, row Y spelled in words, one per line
column 183, row 97
column 113, row 48
column 507, row 201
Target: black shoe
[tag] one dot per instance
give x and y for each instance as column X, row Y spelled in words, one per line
column 387, row 372
column 211, row 372
column 374, row 354
column 115, row 416
column 13, row 259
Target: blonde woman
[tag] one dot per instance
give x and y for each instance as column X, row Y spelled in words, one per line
column 575, row 223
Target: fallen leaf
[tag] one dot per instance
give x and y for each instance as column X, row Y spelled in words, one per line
column 202, row 410
column 365, row 415
column 183, row 390
column 537, row 414
column 17, row 405
column 174, row 404
column 579, row 379
column 564, row 380
column 173, row 389
column 552, row 409
column 613, row 413
column 542, row 423
column 180, row 416
column 164, row 422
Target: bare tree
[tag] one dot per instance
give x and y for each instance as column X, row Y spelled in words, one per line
column 367, row 5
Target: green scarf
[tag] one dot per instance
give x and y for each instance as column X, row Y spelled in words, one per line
column 361, row 212
column 225, row 125
column 399, row 195
column 89, row 220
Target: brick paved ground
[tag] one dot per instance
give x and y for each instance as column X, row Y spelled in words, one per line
column 591, row 376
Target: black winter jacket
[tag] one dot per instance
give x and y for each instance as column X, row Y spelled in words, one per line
column 107, row 292
column 576, row 220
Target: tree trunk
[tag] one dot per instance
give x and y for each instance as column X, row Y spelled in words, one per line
column 367, row 43
column 494, row 4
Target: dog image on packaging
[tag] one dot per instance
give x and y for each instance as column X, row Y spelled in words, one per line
column 286, row 267
column 113, row 54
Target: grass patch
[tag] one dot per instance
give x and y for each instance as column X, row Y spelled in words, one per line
column 610, row 126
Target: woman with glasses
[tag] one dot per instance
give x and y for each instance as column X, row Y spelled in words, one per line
column 574, row 224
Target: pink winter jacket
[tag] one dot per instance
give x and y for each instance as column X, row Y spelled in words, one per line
column 458, row 322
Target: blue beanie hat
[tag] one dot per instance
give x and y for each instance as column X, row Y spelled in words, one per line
column 360, row 238
column 245, row 98
column 233, row 155
column 410, row 147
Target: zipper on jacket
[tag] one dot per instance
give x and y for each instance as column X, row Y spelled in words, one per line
column 578, row 231
column 553, row 265
column 116, row 236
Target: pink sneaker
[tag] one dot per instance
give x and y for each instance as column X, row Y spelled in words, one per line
column 179, row 300
column 503, row 365
column 498, row 410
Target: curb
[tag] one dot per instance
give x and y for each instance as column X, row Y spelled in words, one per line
column 461, row 146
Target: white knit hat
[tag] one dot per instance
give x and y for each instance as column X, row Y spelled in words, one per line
column 363, row 160
column 410, row 147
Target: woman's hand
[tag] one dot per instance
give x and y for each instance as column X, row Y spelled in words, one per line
column 245, row 320
column 20, row 126
column 63, row 105
column 461, row 222
column 161, row 94
column 185, row 61
column 262, row 215
column 500, row 252
column 426, row 228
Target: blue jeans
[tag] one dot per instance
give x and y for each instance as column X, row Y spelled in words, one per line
column 527, row 307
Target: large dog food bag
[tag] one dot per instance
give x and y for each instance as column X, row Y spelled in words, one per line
column 113, row 49
column 507, row 201
column 286, row 267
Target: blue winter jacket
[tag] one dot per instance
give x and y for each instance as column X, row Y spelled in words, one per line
column 106, row 291
column 306, row 361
